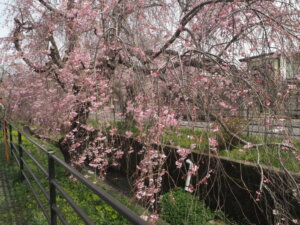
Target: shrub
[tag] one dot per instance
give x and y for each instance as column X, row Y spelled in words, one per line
column 181, row 208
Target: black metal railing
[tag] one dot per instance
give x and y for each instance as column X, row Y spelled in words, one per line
column 52, row 212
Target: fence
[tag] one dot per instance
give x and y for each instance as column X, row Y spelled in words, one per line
column 18, row 151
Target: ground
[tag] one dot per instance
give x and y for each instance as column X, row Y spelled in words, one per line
column 10, row 205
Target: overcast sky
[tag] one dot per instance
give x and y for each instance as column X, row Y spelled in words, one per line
column 3, row 25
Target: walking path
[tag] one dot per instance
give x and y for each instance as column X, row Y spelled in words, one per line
column 10, row 205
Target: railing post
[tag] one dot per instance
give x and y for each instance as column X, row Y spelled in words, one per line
column 10, row 137
column 5, row 140
column 52, row 200
column 20, row 155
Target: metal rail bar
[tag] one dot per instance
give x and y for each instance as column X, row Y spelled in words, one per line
column 14, row 146
column 36, row 197
column 54, row 185
column 16, row 157
column 124, row 211
column 76, row 208
column 60, row 216
column 36, row 180
column 29, row 138
column 35, row 161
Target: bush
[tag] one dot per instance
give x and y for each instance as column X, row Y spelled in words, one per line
column 181, row 208
column 225, row 140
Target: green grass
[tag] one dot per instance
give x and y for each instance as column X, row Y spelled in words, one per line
column 27, row 209
column 185, row 137
column 123, row 127
column 270, row 156
column 96, row 208
column 173, row 136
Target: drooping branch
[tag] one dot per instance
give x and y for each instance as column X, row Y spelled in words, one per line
column 50, row 8
column 16, row 35
column 235, row 38
column 187, row 18
column 55, row 52
column 71, row 35
column 183, row 22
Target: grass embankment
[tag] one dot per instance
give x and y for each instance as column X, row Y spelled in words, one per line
column 96, row 209
column 100, row 212
column 187, row 137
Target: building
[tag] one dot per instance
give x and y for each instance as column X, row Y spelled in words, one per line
column 286, row 66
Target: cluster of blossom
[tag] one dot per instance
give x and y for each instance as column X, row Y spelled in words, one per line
column 150, row 175
column 213, row 144
column 183, row 154
column 204, row 180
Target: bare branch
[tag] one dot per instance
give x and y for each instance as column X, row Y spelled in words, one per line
column 54, row 52
column 183, row 22
column 17, row 45
column 47, row 5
